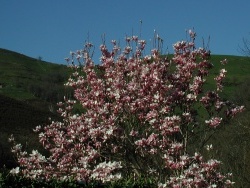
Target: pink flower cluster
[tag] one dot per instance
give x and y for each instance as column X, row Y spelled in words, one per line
column 138, row 115
column 214, row 122
column 198, row 173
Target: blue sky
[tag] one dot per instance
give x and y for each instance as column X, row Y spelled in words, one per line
column 53, row 28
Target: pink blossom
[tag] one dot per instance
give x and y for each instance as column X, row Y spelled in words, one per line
column 214, row 122
column 192, row 33
column 224, row 62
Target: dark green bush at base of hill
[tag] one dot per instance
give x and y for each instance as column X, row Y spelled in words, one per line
column 9, row 181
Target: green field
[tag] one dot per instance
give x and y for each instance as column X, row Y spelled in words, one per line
column 238, row 71
column 22, row 77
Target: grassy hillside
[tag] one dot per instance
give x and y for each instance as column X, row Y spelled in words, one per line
column 238, row 71
column 27, row 79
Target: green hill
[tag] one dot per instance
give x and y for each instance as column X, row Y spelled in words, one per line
column 238, row 71
column 36, row 82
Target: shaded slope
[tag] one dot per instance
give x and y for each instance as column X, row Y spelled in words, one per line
column 19, row 119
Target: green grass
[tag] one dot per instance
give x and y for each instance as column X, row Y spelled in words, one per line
column 238, row 71
column 18, row 72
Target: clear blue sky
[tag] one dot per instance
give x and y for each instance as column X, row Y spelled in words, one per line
column 52, row 28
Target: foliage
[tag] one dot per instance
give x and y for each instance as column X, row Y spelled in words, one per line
column 143, row 115
column 8, row 181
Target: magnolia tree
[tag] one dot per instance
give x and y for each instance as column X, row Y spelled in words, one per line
column 141, row 115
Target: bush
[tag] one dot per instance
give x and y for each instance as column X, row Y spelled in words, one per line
column 143, row 116
column 8, row 180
